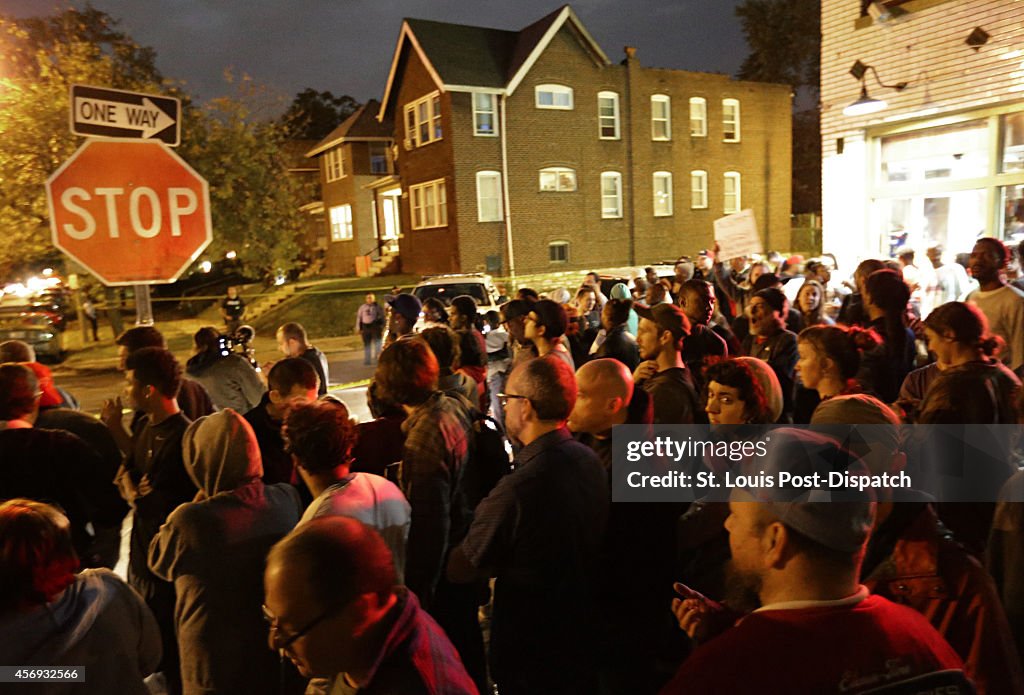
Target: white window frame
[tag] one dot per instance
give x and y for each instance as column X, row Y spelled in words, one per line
column 425, row 111
column 665, row 119
column 560, row 244
column 478, row 112
column 734, row 121
column 603, row 120
column 482, row 215
column 555, row 90
column 335, row 164
column 557, row 173
column 737, row 194
column 341, row 223
column 608, row 213
column 698, row 189
column 664, row 180
column 428, row 205
column 701, row 117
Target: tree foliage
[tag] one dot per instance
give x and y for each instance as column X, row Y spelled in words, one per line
column 312, row 115
column 785, row 47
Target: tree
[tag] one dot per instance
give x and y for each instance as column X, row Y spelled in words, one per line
column 785, row 47
column 312, row 115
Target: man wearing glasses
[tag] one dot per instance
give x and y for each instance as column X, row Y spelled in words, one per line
column 539, row 533
column 334, row 610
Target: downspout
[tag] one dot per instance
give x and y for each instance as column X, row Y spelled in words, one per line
column 626, row 113
column 504, row 192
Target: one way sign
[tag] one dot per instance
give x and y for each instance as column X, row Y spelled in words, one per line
column 113, row 113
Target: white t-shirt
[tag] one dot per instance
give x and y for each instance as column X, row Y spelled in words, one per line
column 1004, row 309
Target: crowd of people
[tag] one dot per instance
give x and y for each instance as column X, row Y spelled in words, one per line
column 464, row 540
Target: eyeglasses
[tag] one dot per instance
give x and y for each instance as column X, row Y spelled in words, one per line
column 282, row 639
column 506, row 397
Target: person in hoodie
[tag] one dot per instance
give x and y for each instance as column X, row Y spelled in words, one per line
column 230, row 379
column 52, row 617
column 445, row 344
column 213, row 549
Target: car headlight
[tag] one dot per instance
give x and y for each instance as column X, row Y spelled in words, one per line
column 46, row 336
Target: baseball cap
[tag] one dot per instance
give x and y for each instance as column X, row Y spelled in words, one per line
column 669, row 317
column 407, row 305
column 838, row 519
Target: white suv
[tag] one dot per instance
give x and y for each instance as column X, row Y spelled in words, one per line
column 446, row 287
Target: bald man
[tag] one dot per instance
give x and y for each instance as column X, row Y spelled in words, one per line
column 606, row 397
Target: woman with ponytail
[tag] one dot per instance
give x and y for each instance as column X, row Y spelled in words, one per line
column 830, row 360
column 883, row 369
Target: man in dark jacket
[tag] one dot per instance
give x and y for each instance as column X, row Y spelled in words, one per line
column 293, row 342
column 770, row 342
column 618, row 343
column 663, row 374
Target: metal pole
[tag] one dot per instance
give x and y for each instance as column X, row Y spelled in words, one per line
column 76, row 289
column 143, row 306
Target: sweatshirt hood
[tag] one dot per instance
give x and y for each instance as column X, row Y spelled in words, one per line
column 221, row 452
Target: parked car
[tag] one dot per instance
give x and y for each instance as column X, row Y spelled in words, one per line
column 446, row 287
column 36, row 328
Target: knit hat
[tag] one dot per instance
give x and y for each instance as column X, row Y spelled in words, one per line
column 669, row 317
column 837, row 519
column 407, row 305
column 773, row 297
column 769, row 384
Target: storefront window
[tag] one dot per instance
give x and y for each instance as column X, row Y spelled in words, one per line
column 953, row 219
column 952, row 152
column 1013, row 142
column 1013, row 213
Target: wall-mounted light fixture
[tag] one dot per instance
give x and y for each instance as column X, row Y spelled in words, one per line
column 977, row 38
column 866, row 104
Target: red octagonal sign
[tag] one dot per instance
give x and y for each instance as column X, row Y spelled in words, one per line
column 130, row 212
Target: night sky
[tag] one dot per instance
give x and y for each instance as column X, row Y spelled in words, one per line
column 345, row 46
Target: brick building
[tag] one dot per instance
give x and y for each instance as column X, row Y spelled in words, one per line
column 531, row 151
column 940, row 160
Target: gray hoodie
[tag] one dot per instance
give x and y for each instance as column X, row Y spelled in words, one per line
column 98, row 623
column 214, row 548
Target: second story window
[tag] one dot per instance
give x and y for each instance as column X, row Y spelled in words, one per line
column 611, row 194
column 378, row 158
column 335, row 164
column 553, row 96
column 608, row 115
column 485, row 114
column 698, row 189
column 429, row 205
column 662, row 194
column 698, row 117
column 423, row 121
column 661, row 117
column 560, row 179
column 488, row 196
column 730, row 120
column 733, row 201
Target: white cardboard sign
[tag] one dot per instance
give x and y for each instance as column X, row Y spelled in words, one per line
column 737, row 235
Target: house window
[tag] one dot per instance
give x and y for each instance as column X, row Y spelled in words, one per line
column 553, row 96
column 730, row 120
column 378, row 158
column 611, row 194
column 558, row 179
column 485, row 117
column 662, row 194
column 335, row 164
column 661, row 117
column 698, row 189
column 341, row 223
column 698, row 117
column 558, row 252
column 488, row 196
column 423, row 121
column 429, row 205
column 608, row 115
column 732, row 192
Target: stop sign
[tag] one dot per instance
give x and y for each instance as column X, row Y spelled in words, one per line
column 130, row 212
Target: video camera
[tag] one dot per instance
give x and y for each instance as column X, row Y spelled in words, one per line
column 240, row 342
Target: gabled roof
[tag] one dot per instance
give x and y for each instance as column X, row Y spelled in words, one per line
column 361, row 125
column 464, row 58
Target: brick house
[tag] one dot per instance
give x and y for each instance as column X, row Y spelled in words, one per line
column 356, row 181
column 940, row 160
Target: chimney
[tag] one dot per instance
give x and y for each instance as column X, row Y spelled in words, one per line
column 630, row 52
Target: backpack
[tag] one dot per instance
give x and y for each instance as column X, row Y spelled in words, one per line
column 490, row 454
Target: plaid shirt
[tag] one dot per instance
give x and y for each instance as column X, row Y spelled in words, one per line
column 437, row 447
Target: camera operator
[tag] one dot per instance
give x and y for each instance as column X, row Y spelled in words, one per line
column 229, row 377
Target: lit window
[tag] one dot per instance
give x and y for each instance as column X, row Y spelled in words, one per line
column 611, row 194
column 732, row 192
column 558, row 252
column 553, row 96
column 423, row 121
column 488, row 196
column 335, row 164
column 661, row 117
column 698, row 117
column 341, row 223
column 698, row 189
column 429, row 205
column 662, row 194
column 558, row 179
column 485, row 118
column 608, row 115
column 730, row 120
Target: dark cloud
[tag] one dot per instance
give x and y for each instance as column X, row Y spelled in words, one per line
column 345, row 46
